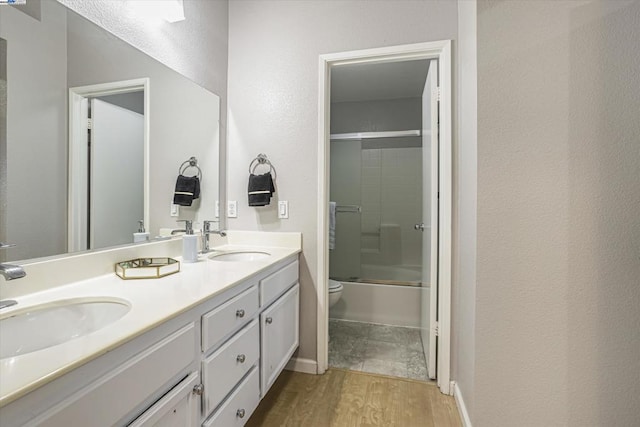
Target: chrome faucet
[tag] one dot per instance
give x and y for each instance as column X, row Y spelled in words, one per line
column 10, row 271
column 188, row 227
column 206, row 231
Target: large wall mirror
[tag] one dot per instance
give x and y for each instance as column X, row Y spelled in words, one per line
column 66, row 188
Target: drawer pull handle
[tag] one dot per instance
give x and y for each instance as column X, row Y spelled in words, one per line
column 241, row 358
column 269, row 320
column 240, row 313
column 240, row 413
column 198, row 389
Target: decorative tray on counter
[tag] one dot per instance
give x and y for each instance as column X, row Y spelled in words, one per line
column 147, row 268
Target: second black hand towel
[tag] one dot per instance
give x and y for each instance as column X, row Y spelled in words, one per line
column 261, row 189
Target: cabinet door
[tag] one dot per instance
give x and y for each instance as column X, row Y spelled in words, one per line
column 279, row 325
column 178, row 408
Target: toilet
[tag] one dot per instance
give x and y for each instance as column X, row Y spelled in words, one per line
column 335, row 292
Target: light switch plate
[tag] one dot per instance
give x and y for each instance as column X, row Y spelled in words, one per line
column 217, row 208
column 283, row 209
column 232, row 209
column 175, row 210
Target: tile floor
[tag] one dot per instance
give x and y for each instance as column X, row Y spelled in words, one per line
column 378, row 349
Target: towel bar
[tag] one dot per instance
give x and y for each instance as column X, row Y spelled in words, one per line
column 349, row 209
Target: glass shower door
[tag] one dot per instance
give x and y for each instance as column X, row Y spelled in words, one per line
column 345, row 190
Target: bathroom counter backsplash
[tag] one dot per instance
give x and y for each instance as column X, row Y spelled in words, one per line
column 152, row 301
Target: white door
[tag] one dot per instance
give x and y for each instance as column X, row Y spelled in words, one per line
column 116, row 200
column 429, row 225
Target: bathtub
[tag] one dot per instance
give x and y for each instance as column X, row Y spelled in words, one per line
column 399, row 273
column 378, row 303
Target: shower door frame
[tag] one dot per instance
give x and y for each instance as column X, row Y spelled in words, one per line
column 440, row 50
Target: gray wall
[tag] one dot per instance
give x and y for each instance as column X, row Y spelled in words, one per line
column 273, row 108
column 36, row 131
column 376, row 116
column 3, row 144
column 465, row 227
column 133, row 101
column 557, row 334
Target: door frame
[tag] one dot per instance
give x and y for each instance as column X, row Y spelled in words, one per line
column 440, row 50
column 78, row 151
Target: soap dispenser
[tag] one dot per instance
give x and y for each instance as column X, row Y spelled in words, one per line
column 141, row 235
column 189, row 243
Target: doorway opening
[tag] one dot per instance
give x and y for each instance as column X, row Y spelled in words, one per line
column 385, row 157
column 108, row 130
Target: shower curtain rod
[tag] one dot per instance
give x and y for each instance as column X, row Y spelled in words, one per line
column 372, row 135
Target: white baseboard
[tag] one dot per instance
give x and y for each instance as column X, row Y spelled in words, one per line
column 462, row 408
column 306, row 366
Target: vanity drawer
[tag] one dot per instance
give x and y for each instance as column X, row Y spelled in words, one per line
column 235, row 412
column 228, row 317
column 223, row 369
column 179, row 407
column 275, row 284
column 116, row 394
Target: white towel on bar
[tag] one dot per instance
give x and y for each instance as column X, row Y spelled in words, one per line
column 332, row 225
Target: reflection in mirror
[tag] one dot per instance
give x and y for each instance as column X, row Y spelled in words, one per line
column 106, row 133
column 51, row 202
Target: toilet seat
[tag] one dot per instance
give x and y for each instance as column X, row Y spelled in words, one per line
column 334, row 286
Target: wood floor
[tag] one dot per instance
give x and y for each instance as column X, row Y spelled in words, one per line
column 341, row 398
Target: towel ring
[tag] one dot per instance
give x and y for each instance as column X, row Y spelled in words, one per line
column 191, row 163
column 261, row 159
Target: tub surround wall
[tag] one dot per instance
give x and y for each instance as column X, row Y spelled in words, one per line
column 390, row 189
column 273, row 107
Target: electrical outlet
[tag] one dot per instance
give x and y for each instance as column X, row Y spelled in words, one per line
column 283, row 209
column 175, row 210
column 232, row 209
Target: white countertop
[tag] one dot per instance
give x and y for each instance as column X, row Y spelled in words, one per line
column 153, row 301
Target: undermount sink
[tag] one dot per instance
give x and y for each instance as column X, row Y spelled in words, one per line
column 46, row 325
column 240, row 256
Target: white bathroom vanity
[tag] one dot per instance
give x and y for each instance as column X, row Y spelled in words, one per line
column 200, row 347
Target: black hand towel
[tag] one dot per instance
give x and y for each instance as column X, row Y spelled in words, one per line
column 260, row 189
column 187, row 190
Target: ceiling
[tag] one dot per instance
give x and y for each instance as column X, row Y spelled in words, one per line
column 368, row 82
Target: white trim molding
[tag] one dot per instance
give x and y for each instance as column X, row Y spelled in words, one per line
column 440, row 50
column 298, row 364
column 462, row 408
